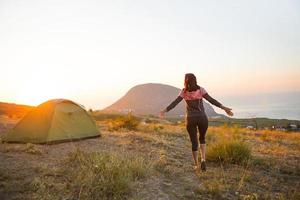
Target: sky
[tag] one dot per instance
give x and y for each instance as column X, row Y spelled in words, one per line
column 92, row 52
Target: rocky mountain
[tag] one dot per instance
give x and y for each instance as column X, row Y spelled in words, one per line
column 151, row 98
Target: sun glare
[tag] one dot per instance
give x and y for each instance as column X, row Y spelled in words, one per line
column 37, row 90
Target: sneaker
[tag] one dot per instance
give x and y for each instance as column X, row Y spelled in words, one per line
column 195, row 167
column 203, row 166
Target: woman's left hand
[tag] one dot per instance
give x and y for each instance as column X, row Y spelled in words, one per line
column 228, row 110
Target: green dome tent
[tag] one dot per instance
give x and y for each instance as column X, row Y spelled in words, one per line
column 53, row 121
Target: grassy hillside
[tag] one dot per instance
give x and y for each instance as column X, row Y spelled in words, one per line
column 14, row 110
column 152, row 160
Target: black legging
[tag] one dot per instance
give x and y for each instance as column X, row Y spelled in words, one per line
column 194, row 122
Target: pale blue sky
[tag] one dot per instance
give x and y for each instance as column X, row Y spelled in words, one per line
column 94, row 51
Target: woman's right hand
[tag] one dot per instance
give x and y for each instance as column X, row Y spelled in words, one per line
column 162, row 114
column 228, row 111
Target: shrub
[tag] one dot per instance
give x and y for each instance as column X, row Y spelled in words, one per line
column 229, row 151
column 129, row 122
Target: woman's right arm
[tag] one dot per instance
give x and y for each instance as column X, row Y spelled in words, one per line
column 171, row 106
column 174, row 103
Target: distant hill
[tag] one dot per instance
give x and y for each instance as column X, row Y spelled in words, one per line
column 14, row 110
column 151, row 98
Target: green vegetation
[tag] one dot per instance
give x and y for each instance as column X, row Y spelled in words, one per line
column 257, row 123
column 128, row 122
column 230, row 151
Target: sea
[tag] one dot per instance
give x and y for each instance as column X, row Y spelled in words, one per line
column 281, row 105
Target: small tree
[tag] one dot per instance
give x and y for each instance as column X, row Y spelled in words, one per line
column 255, row 123
column 254, row 120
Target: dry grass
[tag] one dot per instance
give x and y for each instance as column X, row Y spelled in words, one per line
column 93, row 176
column 28, row 148
column 153, row 161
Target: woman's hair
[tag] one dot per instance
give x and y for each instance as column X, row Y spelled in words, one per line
column 190, row 83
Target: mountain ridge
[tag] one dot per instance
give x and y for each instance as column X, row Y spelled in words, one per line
column 150, row 98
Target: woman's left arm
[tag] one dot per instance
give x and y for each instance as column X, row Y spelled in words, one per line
column 212, row 100
column 218, row 104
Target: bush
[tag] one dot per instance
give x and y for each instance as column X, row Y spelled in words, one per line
column 129, row 122
column 230, row 151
